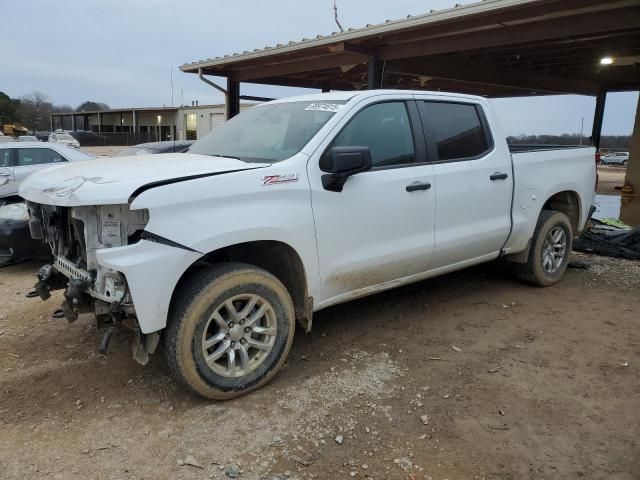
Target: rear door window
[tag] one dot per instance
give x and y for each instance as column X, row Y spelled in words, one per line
column 456, row 129
column 38, row 156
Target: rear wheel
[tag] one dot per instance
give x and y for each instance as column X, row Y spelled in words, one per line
column 230, row 330
column 549, row 253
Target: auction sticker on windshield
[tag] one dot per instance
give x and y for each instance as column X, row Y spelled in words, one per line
column 324, row 107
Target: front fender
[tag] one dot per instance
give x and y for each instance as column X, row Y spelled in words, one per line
column 152, row 271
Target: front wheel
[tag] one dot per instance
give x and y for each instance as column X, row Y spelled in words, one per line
column 550, row 248
column 230, row 330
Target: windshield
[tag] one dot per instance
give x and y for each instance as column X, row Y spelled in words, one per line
column 268, row 133
column 63, row 136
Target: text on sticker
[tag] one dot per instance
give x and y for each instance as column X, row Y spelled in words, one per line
column 324, row 107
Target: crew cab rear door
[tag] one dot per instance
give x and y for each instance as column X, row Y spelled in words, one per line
column 379, row 228
column 474, row 181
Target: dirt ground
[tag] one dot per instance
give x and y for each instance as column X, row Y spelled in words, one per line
column 610, row 179
column 468, row 376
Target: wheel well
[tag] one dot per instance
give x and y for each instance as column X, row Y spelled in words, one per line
column 567, row 202
column 278, row 258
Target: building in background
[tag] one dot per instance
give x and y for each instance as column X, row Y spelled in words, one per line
column 129, row 126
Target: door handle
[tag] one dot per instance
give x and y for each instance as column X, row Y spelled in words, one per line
column 418, row 186
column 499, row 176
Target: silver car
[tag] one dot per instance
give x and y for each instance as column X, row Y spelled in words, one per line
column 20, row 159
column 616, row 158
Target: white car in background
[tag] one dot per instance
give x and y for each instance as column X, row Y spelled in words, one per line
column 27, row 138
column 63, row 138
column 615, row 158
column 20, row 159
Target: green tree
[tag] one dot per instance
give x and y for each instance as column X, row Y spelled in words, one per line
column 35, row 110
column 8, row 109
column 90, row 106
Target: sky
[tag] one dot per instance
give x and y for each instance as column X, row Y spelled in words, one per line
column 122, row 52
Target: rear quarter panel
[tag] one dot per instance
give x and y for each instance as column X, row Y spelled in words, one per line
column 541, row 174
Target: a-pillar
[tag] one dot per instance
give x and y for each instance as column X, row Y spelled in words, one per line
column 630, row 210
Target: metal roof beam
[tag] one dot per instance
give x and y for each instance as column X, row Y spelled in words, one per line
column 522, row 14
column 289, row 68
column 344, row 47
column 503, row 78
column 552, row 29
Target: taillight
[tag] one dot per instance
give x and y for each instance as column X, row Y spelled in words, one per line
column 597, row 158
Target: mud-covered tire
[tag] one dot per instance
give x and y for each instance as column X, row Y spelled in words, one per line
column 203, row 297
column 533, row 271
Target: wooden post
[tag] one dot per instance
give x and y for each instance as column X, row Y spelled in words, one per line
column 596, row 132
column 232, row 100
column 374, row 76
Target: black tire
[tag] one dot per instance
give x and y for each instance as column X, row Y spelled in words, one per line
column 533, row 270
column 205, row 293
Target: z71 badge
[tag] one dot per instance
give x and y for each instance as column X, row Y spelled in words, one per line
column 276, row 179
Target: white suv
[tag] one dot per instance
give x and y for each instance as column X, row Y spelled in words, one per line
column 64, row 138
column 616, row 158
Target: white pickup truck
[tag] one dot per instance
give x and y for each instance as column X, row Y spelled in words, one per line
column 293, row 206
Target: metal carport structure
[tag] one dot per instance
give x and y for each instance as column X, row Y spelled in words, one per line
column 494, row 48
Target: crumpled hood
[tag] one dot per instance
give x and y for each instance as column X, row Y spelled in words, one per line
column 107, row 181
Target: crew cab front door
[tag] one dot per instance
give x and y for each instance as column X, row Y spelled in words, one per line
column 380, row 227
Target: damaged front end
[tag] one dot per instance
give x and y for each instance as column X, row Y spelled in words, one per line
column 75, row 235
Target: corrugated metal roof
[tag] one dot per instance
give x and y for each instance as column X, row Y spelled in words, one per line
column 370, row 30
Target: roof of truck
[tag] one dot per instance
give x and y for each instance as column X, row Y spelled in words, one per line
column 346, row 96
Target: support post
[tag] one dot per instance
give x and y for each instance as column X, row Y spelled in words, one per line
column 99, row 122
column 73, row 122
column 596, row 132
column 232, row 100
column 630, row 202
column 374, row 75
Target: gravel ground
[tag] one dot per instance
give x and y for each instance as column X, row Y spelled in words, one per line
column 468, row 376
column 610, row 179
column 99, row 151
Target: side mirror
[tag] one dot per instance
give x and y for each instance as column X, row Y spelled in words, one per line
column 341, row 163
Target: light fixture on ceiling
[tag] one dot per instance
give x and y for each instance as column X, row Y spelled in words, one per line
column 606, row 60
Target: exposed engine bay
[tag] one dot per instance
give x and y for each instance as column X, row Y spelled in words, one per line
column 74, row 235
